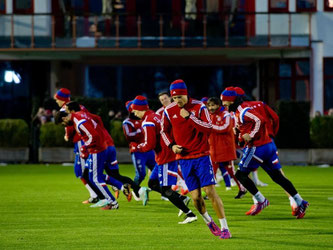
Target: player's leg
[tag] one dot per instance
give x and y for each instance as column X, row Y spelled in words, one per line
column 226, row 176
column 97, row 163
column 229, row 166
column 193, row 183
column 249, row 162
column 139, row 162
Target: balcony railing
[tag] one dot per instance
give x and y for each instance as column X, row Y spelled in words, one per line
column 191, row 30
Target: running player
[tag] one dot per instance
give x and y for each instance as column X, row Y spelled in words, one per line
column 185, row 129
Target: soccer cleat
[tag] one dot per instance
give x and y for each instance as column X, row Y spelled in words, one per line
column 101, row 203
column 251, row 209
column 163, row 198
column 127, row 191
column 175, row 188
column 143, row 192
column 300, row 213
column 294, row 210
column 116, row 194
column 259, row 207
column 228, row 188
column 261, row 184
column 91, row 200
column 186, row 202
column 184, row 191
column 240, row 194
column 188, row 219
column 225, row 234
column 214, row 228
column 111, row 206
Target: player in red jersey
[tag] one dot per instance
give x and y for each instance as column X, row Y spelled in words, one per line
column 185, row 129
column 222, row 140
column 164, row 174
column 259, row 151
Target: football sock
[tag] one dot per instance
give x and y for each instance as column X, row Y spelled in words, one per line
column 254, row 200
column 259, row 197
column 292, row 202
column 91, row 192
column 206, row 217
column 224, row 224
column 225, row 175
column 298, row 199
column 190, row 214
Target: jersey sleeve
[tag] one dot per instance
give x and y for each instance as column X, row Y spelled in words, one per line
column 166, row 129
column 131, row 134
column 70, row 132
column 86, row 127
column 249, row 115
column 274, row 119
column 226, row 126
column 202, row 122
column 149, row 129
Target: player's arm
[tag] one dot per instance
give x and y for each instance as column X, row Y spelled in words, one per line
column 166, row 129
column 203, row 122
column 69, row 132
column 130, row 133
column 226, row 126
column 250, row 116
column 274, row 118
column 88, row 129
column 150, row 137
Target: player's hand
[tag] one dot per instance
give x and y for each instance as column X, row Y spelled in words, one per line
column 247, row 137
column 184, row 113
column 66, row 138
column 177, row 149
column 133, row 147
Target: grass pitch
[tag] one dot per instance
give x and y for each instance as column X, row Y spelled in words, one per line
column 41, row 209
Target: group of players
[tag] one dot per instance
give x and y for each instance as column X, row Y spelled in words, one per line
column 186, row 139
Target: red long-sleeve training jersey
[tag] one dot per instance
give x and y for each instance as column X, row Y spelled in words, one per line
column 151, row 125
column 249, row 121
column 192, row 133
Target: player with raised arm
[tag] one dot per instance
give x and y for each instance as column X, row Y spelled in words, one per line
column 186, row 126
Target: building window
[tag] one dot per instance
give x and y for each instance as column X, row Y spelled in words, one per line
column 278, row 5
column 2, row 6
column 23, row 6
column 294, row 80
column 328, row 5
column 328, row 83
column 306, row 5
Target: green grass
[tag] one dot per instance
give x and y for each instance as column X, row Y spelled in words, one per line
column 41, row 209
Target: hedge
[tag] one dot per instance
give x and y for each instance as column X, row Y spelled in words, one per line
column 52, row 135
column 117, row 134
column 294, row 129
column 322, row 132
column 14, row 133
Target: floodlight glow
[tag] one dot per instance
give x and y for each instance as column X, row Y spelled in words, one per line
column 8, row 76
column 12, row 76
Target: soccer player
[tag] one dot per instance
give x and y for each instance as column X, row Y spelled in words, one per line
column 272, row 125
column 222, row 140
column 164, row 174
column 185, row 129
column 96, row 147
column 133, row 133
column 259, row 151
column 62, row 96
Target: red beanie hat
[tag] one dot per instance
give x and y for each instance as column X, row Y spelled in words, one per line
column 140, row 103
column 63, row 94
column 129, row 106
column 178, row 87
column 229, row 94
column 239, row 91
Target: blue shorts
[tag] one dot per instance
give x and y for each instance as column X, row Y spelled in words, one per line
column 111, row 158
column 168, row 173
column 264, row 156
column 197, row 172
column 140, row 161
column 79, row 163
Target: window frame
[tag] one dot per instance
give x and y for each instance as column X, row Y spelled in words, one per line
column 24, row 11
column 326, row 77
column 326, row 8
column 313, row 9
column 278, row 10
column 3, row 11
